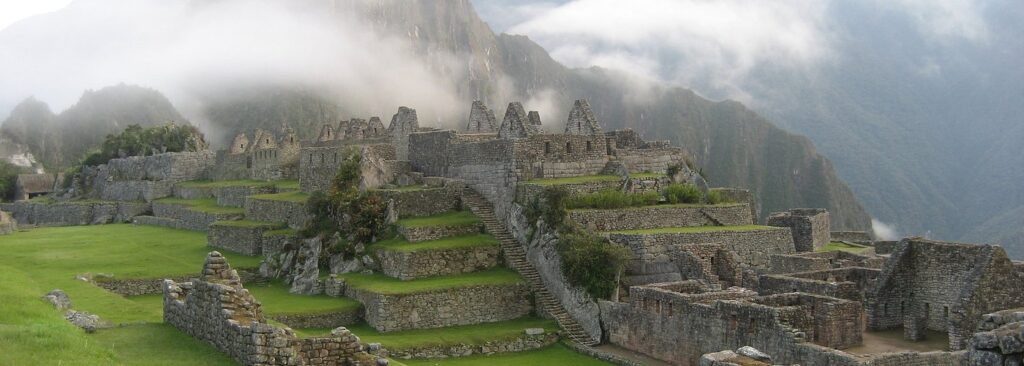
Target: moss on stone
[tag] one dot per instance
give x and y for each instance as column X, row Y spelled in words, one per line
column 207, row 205
column 458, row 218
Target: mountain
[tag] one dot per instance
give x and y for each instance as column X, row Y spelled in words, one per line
column 59, row 140
column 736, row 146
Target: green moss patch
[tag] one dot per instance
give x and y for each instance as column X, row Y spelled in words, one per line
column 277, row 300
column 458, row 218
column 574, row 180
column 281, row 232
column 477, row 334
column 695, row 229
column 379, row 283
column 457, row 242
column 294, row 196
column 207, row 205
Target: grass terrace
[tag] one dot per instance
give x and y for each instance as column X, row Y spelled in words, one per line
column 457, row 218
column 293, row 196
column 226, row 183
column 574, row 180
column 281, row 232
column 477, row 334
column 665, row 205
column 694, row 229
column 843, row 247
column 251, row 224
column 458, row 242
column 647, row 175
column 208, row 205
column 287, row 184
column 379, row 283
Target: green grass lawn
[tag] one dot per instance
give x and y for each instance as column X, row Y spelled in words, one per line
column 844, row 247
column 466, row 334
column 53, row 256
column 293, row 196
column 693, row 229
column 557, row 354
column 208, row 205
column 158, row 344
column 251, row 224
column 575, row 180
column 281, row 232
column 287, row 184
column 457, row 242
column 457, row 218
column 380, row 283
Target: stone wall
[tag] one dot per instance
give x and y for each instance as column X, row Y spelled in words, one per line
column 230, row 166
column 526, row 191
column 679, row 327
column 810, row 227
column 425, row 233
column 407, row 265
column 318, row 166
column 215, row 308
column 135, row 286
column 73, row 213
column 188, row 218
column 425, row 202
column 856, row 237
column 999, row 341
column 443, row 308
column 146, row 178
column 845, row 283
column 524, row 342
column 741, row 196
column 815, row 261
column 292, row 213
column 246, row 240
column 944, row 287
column 651, row 217
column 320, row 320
column 7, row 223
column 753, row 247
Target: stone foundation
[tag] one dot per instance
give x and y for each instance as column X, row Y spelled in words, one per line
column 7, row 224
column 519, row 344
column 425, row 233
column 410, row 265
column 425, row 202
column 443, row 308
column 188, row 218
column 246, row 240
column 322, row 320
column 810, row 227
column 652, row 217
column 753, row 247
column 74, row 213
column 293, row 213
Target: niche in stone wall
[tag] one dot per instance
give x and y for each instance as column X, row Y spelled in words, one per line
column 568, row 147
column 590, row 146
column 547, row 147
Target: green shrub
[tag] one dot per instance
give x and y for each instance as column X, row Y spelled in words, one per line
column 611, row 198
column 683, row 193
column 591, row 262
column 8, row 177
column 361, row 216
column 716, row 197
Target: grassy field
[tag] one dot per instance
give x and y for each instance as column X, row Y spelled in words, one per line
column 840, row 246
column 386, row 285
column 693, row 229
column 458, row 242
column 457, row 218
column 575, row 180
column 208, row 205
column 294, row 196
column 466, row 334
column 554, row 355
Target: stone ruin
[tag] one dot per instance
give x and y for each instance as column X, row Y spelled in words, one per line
column 218, row 310
column 7, row 223
column 810, row 227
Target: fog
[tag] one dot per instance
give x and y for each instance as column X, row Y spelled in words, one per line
column 187, row 49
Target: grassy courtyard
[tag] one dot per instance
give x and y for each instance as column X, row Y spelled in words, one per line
column 843, row 247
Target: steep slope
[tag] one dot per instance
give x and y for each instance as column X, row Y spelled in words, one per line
column 60, row 140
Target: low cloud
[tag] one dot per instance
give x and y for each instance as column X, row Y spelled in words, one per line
column 884, row 231
column 188, row 49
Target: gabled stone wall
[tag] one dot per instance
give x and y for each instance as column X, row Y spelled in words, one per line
column 216, row 308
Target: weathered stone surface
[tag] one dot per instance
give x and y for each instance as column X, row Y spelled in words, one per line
column 58, row 299
column 753, row 353
column 407, row 265
column 443, row 308
column 74, row 212
column 88, row 322
column 662, row 216
column 7, row 223
column 753, row 247
column 810, row 227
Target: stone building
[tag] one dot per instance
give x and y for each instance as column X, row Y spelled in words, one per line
column 810, row 227
column 28, row 186
column 945, row 287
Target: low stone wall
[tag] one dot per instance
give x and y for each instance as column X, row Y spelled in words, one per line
column 293, row 213
column 428, row 263
column 135, row 286
column 216, row 309
column 158, row 221
column 856, row 237
column 753, row 247
column 247, row 240
column 522, row 343
column 425, row 202
column 809, row 226
column 322, row 320
column 886, row 247
column 7, row 224
column 652, row 217
column 425, row 233
column 817, row 261
column 443, row 308
column 192, row 193
column 845, row 283
column 526, row 191
column 146, row 178
column 235, row 196
column 74, row 213
column 188, row 218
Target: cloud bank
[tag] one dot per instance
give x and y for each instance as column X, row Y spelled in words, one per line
column 189, row 48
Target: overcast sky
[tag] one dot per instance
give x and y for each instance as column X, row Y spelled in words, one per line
column 14, row 10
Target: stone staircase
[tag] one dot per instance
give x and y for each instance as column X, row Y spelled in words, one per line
column 515, row 255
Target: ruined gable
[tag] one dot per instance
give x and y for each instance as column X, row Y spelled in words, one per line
column 240, row 144
column 481, row 119
column 516, row 123
column 582, row 121
column 402, row 125
column 264, row 140
column 375, row 128
column 327, row 133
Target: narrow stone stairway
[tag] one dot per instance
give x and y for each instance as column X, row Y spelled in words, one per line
column 515, row 255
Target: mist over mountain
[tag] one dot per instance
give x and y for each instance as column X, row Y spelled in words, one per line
column 236, row 65
column 918, row 103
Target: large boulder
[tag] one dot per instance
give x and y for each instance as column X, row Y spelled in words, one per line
column 58, row 299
